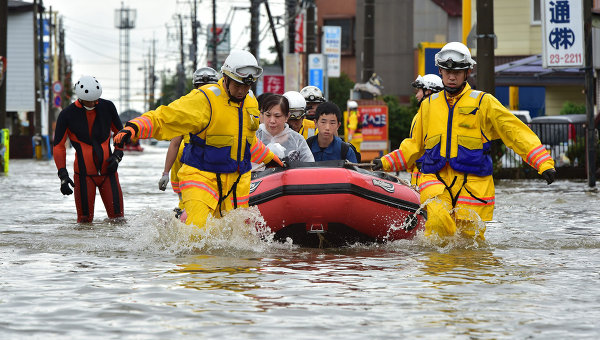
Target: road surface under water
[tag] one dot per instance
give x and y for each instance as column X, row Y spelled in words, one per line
column 537, row 275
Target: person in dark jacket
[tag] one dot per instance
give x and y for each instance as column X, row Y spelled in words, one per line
column 326, row 145
column 88, row 123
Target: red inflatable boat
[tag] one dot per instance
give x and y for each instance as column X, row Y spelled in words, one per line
column 333, row 204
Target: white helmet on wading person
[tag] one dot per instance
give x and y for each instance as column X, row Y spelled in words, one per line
column 431, row 82
column 88, row 88
column 297, row 104
column 312, row 94
column 454, row 56
column 205, row 75
column 241, row 66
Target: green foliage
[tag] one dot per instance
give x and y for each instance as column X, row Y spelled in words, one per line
column 572, row 108
column 401, row 116
column 339, row 90
column 576, row 152
column 169, row 88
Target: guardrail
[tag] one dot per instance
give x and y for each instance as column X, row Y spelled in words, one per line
column 564, row 141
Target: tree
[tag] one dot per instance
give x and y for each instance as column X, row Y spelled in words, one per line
column 167, row 89
column 400, row 117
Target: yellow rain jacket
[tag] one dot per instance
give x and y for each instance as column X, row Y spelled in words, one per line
column 453, row 134
column 222, row 143
column 355, row 129
column 308, row 128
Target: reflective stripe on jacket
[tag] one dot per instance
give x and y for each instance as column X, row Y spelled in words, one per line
column 463, row 133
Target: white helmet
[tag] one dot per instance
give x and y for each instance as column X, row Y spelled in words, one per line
column 312, row 94
column 242, row 67
column 429, row 81
column 88, row 88
column 352, row 105
column 205, row 75
column 454, row 56
column 297, row 104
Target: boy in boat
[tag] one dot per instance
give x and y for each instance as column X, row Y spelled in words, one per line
column 453, row 131
column 221, row 120
column 326, row 145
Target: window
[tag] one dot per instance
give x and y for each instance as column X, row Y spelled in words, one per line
column 347, row 25
column 536, row 12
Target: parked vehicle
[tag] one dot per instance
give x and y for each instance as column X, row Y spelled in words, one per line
column 559, row 133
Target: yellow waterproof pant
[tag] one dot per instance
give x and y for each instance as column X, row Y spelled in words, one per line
column 357, row 140
column 473, row 201
column 200, row 193
column 174, row 176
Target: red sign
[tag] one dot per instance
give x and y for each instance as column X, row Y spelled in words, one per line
column 374, row 123
column 274, row 84
column 299, row 43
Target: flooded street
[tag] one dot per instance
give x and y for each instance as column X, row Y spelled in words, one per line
column 537, row 276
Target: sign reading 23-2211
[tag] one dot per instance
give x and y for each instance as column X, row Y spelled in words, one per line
column 562, row 33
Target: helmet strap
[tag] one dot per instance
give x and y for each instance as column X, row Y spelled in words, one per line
column 226, row 82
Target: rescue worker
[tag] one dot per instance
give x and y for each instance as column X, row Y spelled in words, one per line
column 88, row 123
column 453, row 130
column 313, row 97
column 274, row 131
column 297, row 122
column 354, row 125
column 424, row 86
column 221, row 120
column 201, row 77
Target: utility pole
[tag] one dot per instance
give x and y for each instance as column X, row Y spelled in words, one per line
column 254, row 27
column 592, row 140
column 50, row 57
column 214, row 35
column 368, row 54
column 39, row 73
column 194, row 51
column 180, row 89
column 3, row 50
column 152, row 65
column 254, row 32
column 290, row 9
column 485, row 46
column 311, row 36
column 277, row 44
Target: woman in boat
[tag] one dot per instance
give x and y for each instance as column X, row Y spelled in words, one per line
column 274, row 130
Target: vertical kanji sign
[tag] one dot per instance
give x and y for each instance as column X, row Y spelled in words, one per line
column 562, row 33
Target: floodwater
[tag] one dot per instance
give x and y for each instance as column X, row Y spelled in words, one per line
column 537, row 276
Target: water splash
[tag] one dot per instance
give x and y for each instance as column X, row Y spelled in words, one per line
column 240, row 230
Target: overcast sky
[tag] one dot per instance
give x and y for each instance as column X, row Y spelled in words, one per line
column 92, row 41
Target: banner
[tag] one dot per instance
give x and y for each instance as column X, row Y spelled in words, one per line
column 374, row 126
column 274, row 84
column 299, row 43
column 562, row 34
column 332, row 48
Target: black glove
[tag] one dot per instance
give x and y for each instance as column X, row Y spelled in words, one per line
column 113, row 161
column 63, row 174
column 377, row 165
column 549, row 175
column 274, row 164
